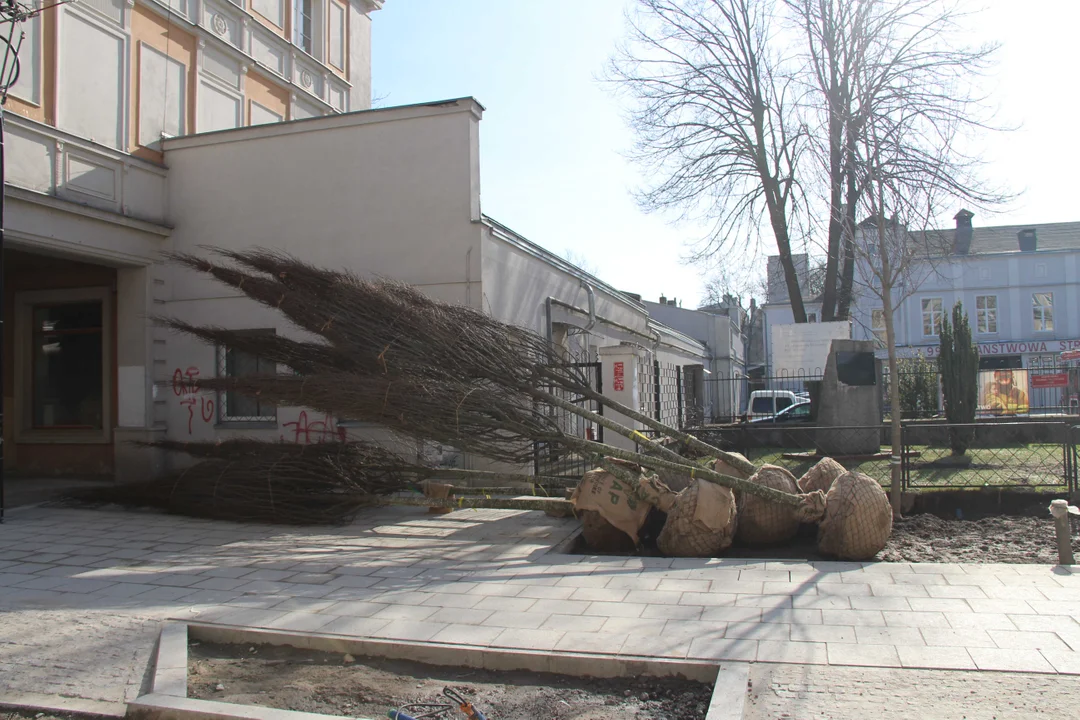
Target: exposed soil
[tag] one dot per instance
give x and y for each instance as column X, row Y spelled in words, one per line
column 999, row 539
column 1022, row 538
column 311, row 681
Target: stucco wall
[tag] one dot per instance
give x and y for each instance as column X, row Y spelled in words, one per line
column 384, row 193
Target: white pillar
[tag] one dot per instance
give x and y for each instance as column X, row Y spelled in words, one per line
column 621, row 384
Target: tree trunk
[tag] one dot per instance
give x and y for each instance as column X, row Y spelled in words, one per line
column 836, row 209
column 896, row 488
column 847, row 276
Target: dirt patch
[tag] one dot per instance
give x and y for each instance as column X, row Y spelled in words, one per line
column 311, row 681
column 1002, row 539
column 920, row 538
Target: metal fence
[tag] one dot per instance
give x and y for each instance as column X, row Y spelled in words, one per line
column 1019, row 392
column 1015, row 455
column 554, row 459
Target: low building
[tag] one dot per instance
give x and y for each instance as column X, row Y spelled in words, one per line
column 721, row 329
column 98, row 191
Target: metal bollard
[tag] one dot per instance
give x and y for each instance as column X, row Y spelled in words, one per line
column 1060, row 510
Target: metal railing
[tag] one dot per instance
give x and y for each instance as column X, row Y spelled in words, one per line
column 1014, row 455
column 1009, row 393
column 554, row 459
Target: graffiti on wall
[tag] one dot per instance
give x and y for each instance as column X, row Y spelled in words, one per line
column 185, row 386
column 312, row 432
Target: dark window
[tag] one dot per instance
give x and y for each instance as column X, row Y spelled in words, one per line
column 800, row 411
column 67, row 387
column 234, row 406
column 782, row 402
column 762, row 405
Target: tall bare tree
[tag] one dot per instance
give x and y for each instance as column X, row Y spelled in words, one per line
column 713, row 112
column 865, row 60
column 740, row 133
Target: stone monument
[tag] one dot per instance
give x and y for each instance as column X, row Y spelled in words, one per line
column 848, row 401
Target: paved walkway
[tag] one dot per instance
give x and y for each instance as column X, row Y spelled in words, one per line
column 82, row 593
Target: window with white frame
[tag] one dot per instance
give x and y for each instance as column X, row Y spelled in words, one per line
column 234, row 406
column 932, row 314
column 986, row 314
column 1042, row 306
column 877, row 324
column 305, row 25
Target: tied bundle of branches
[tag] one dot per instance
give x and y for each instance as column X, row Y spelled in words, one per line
column 431, row 371
column 283, row 483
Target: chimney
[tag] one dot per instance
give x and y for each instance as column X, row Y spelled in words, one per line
column 671, row 302
column 1028, row 241
column 663, row 300
column 964, row 232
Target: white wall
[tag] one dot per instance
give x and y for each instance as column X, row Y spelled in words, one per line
column 381, row 193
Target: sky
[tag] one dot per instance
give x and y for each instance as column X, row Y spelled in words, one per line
column 554, row 141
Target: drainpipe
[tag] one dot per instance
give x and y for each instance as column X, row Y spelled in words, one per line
column 592, row 305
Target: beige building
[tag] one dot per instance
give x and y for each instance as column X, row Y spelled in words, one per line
column 148, row 128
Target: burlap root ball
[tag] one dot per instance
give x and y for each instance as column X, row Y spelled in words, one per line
column 764, row 522
column 858, row 518
column 693, row 529
column 602, row 536
column 724, row 469
column 821, row 476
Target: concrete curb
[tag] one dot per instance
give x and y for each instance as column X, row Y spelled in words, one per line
column 58, row 704
column 168, row 699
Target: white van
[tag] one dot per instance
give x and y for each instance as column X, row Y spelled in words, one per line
column 766, row 403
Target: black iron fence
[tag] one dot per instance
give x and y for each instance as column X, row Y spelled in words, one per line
column 555, row 459
column 1009, row 393
column 1035, row 455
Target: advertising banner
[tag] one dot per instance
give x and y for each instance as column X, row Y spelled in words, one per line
column 1003, row 392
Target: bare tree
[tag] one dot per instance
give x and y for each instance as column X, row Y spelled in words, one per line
column 908, row 168
column 713, row 112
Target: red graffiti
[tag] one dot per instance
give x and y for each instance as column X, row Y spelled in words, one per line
column 319, row 431
column 185, row 386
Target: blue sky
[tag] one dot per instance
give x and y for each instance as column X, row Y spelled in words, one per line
column 553, row 137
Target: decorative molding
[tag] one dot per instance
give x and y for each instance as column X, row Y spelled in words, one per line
column 219, row 24
column 306, row 80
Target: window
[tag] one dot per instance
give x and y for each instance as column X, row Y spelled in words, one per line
column 66, row 366
column 782, row 402
column 1043, row 311
column 305, row 25
column 337, row 35
column 812, row 317
column 932, row 314
column 234, row 407
column 986, row 313
column 877, row 324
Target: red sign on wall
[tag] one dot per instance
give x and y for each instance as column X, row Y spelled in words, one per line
column 1071, row 355
column 618, row 381
column 1050, row 380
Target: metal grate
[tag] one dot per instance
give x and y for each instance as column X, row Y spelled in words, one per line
column 554, row 459
column 232, row 406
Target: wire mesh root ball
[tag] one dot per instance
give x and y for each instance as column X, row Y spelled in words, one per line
column 821, row 476
column 701, row 523
column 764, row 522
column 858, row 518
column 602, row 536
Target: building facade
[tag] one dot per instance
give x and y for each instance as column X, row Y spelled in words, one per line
column 721, row 328
column 139, row 129
column 1020, row 287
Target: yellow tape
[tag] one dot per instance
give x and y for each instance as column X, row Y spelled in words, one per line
column 692, row 473
column 639, row 435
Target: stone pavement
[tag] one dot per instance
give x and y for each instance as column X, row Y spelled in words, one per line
column 82, row 593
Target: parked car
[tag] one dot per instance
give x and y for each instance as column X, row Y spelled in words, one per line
column 797, row 413
column 767, row 403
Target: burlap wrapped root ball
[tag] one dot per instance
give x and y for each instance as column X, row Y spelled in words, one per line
column 611, row 512
column 722, row 467
column 858, row 518
column 765, row 522
column 821, row 476
column 700, row 523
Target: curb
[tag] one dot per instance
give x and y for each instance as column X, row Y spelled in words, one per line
column 34, row 702
column 168, row 697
